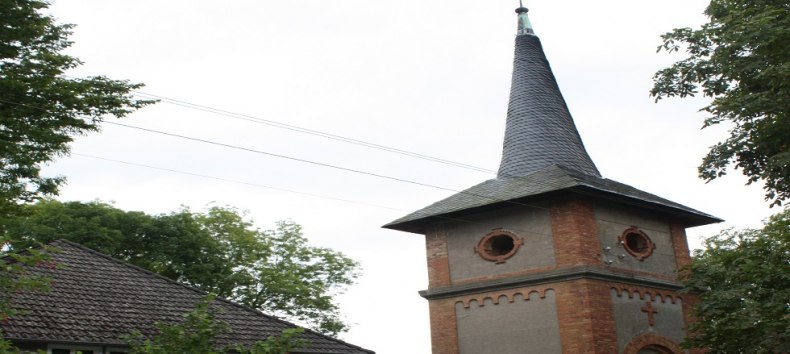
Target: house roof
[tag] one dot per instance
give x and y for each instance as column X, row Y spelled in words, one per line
column 515, row 191
column 96, row 299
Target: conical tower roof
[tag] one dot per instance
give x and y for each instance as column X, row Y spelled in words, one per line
column 542, row 153
column 540, row 131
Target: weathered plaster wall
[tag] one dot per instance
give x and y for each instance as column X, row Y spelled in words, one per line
column 613, row 220
column 522, row 326
column 533, row 225
column 631, row 320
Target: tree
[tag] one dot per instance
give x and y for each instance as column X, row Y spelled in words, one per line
column 743, row 278
column 296, row 281
column 41, row 110
column 740, row 59
column 218, row 251
column 196, row 335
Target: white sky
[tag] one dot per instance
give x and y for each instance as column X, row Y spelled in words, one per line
column 426, row 76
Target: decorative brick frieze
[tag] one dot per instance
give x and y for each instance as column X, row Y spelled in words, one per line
column 543, row 279
column 646, row 293
column 508, row 295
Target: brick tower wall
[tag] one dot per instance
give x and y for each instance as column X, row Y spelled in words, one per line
column 577, row 315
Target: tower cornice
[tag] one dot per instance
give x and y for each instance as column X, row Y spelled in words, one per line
column 548, row 277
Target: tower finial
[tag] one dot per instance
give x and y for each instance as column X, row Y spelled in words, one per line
column 524, row 26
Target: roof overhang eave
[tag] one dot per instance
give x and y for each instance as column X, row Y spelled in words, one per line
column 687, row 217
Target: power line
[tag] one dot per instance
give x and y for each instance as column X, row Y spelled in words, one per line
column 313, row 132
column 261, row 152
column 512, row 202
column 234, row 181
column 236, row 147
column 141, row 165
column 314, row 195
column 499, row 200
column 441, row 217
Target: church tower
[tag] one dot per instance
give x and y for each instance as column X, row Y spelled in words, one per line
column 550, row 257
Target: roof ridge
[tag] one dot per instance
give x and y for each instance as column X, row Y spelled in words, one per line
column 199, row 291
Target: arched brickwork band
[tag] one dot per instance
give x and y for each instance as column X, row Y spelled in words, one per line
column 656, row 342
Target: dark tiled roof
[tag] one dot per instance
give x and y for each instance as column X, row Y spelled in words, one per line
column 540, row 130
column 512, row 191
column 98, row 299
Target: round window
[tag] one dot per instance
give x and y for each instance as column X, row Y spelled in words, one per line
column 637, row 243
column 498, row 245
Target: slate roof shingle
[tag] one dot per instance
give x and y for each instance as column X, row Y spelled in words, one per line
column 540, row 130
column 95, row 298
column 508, row 191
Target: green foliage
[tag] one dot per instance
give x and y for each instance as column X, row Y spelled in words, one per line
column 15, row 278
column 41, row 110
column 744, row 281
column 14, row 275
column 283, row 344
column 741, row 59
column 296, row 281
column 197, row 335
column 219, row 251
column 7, row 347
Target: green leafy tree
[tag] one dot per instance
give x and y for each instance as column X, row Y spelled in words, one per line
column 197, row 333
column 41, row 110
column 296, row 280
column 219, row 251
column 743, row 278
column 740, row 59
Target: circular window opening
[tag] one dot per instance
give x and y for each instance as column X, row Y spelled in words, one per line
column 637, row 243
column 498, row 245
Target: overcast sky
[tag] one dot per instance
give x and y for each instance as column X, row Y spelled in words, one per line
column 430, row 77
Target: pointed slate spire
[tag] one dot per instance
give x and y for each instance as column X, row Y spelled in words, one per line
column 543, row 154
column 540, row 131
